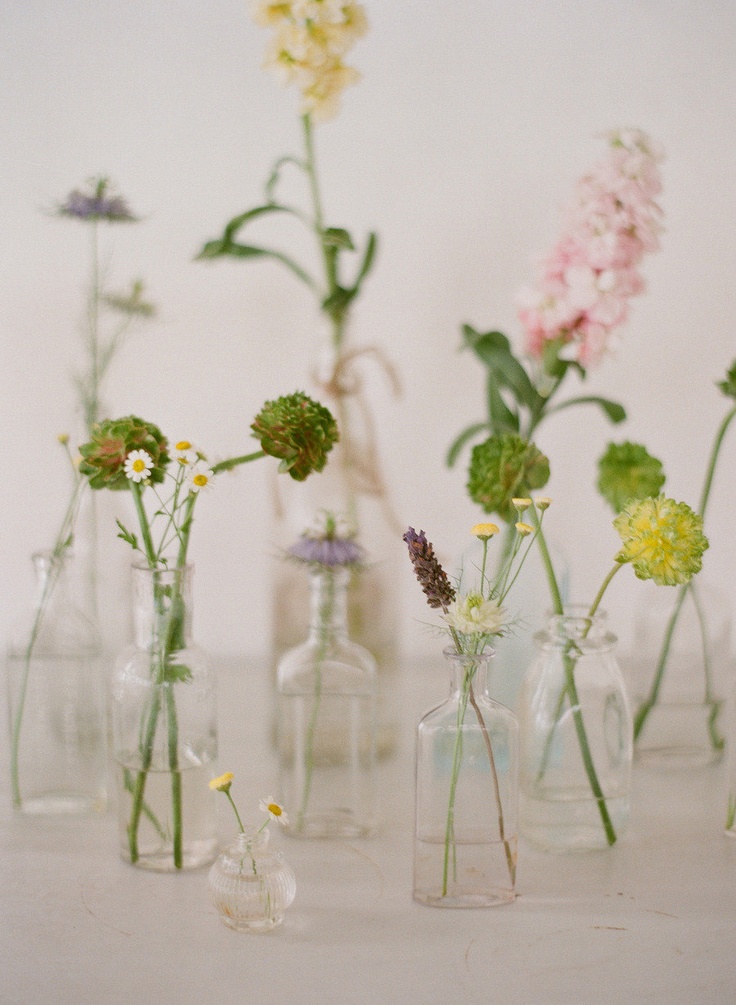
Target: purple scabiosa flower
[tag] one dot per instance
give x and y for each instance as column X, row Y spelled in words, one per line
column 329, row 544
column 432, row 577
column 97, row 204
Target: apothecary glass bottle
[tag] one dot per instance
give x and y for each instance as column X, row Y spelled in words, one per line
column 467, row 764
column 251, row 884
column 57, row 702
column 164, row 730
column 577, row 738
column 327, row 721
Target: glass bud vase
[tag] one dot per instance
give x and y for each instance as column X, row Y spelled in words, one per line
column 467, row 763
column 57, row 702
column 327, row 721
column 164, row 731
column 680, row 672
column 577, row 738
column 251, row 885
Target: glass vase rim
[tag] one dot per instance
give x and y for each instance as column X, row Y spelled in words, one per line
column 577, row 624
column 485, row 655
column 163, row 569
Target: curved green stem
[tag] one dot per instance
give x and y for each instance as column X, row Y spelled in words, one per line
column 457, row 757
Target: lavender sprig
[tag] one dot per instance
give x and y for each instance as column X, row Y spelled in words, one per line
column 430, row 574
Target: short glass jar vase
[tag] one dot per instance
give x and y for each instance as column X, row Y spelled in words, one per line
column 577, row 738
column 251, row 884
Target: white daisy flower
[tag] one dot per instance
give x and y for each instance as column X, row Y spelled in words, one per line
column 185, row 453
column 138, row 465
column 275, row 810
column 200, row 476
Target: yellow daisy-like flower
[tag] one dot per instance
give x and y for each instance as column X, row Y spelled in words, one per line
column 521, row 504
column 275, row 810
column 542, row 503
column 524, row 529
column 662, row 539
column 63, row 439
column 223, row 782
column 483, row 531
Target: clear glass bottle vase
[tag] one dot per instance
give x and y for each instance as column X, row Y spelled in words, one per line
column 467, row 763
column 57, row 702
column 577, row 738
column 353, row 487
column 164, row 731
column 251, row 884
column 327, row 721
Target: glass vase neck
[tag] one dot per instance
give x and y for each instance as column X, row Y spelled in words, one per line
column 328, row 603
column 162, row 607
column 577, row 626
column 469, row 668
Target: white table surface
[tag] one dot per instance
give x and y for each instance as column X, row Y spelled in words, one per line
column 653, row 920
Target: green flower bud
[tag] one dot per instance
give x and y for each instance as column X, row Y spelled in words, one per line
column 103, row 458
column 298, row 430
column 502, row 469
column 627, row 471
column 728, row 386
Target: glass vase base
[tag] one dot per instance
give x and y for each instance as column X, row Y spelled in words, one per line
column 681, row 735
column 480, row 877
column 63, row 804
column 194, row 856
column 571, row 825
column 255, row 926
column 330, row 826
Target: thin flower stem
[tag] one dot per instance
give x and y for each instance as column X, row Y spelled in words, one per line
column 716, row 739
column 233, row 462
column 510, row 858
column 457, row 757
column 571, row 690
column 63, row 541
column 325, row 620
column 647, row 705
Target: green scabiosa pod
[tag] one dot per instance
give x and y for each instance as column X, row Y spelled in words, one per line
column 503, row 468
column 627, row 471
column 104, row 456
column 662, row 539
column 299, row 431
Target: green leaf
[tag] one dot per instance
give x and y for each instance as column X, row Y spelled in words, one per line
column 248, row 251
column 127, row 536
column 338, row 301
column 494, row 349
column 502, row 418
column 467, row 434
column 177, row 673
column 368, row 259
column 612, row 409
column 337, row 237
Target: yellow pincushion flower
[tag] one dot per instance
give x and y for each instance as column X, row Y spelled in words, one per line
column 662, row 539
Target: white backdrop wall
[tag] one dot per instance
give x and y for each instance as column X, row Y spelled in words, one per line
column 461, row 144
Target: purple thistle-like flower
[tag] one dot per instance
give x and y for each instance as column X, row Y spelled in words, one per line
column 329, row 551
column 432, row 577
column 97, row 204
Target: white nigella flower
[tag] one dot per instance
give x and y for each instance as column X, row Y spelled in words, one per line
column 200, row 477
column 472, row 614
column 138, row 465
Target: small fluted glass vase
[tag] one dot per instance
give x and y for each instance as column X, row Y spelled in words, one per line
column 164, row 731
column 327, row 721
column 680, row 676
column 467, row 764
column 577, row 738
column 251, row 884
column 57, row 702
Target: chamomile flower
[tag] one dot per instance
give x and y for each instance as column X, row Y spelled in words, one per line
column 524, row 529
column 185, row 453
column 138, row 465
column 474, row 614
column 223, row 782
column 200, row 477
column 484, row 531
column 275, row 810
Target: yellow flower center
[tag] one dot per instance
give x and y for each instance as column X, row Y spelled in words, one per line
column 183, row 445
column 275, row 809
column 200, row 480
column 138, row 465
